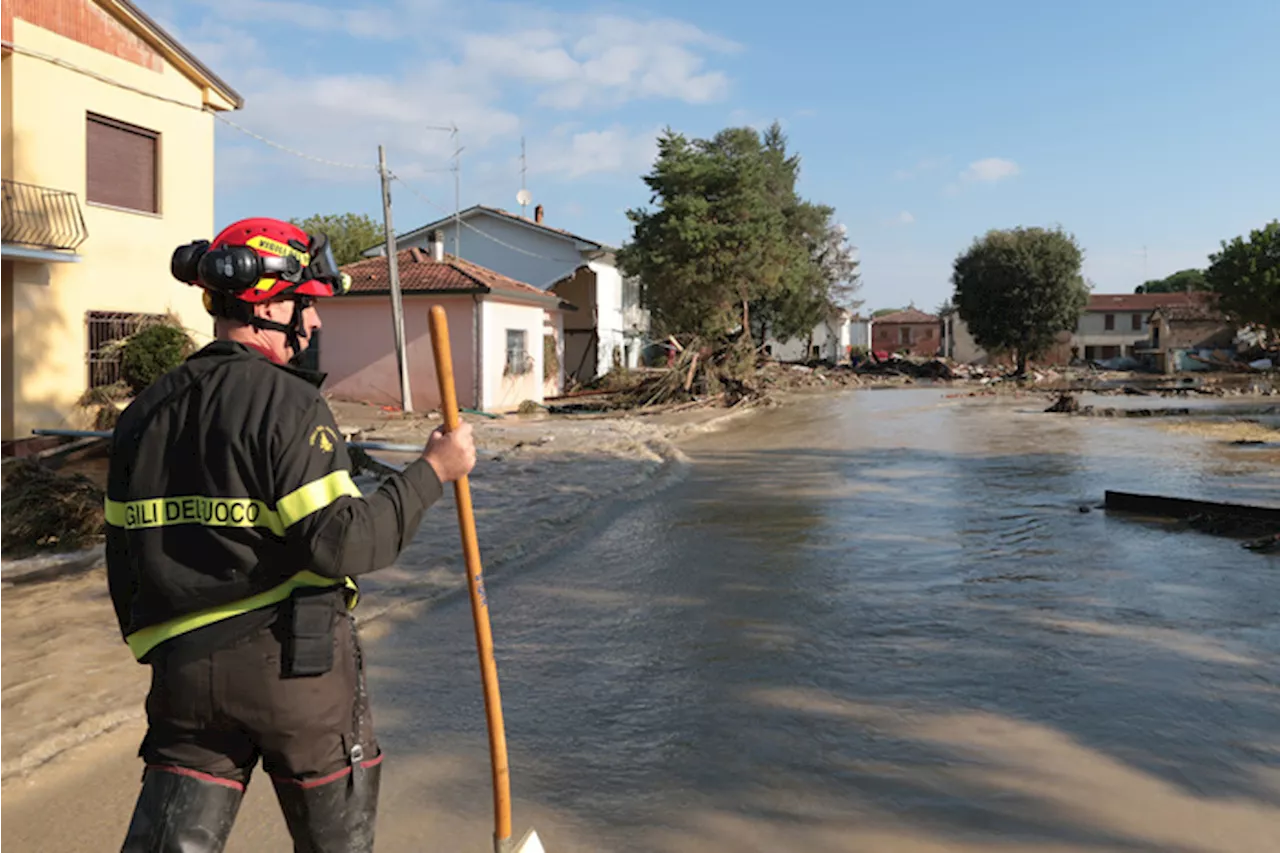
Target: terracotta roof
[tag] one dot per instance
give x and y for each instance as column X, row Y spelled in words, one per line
column 1142, row 302
column 909, row 315
column 1191, row 312
column 419, row 273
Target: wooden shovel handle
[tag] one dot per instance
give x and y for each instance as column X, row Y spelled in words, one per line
column 475, row 584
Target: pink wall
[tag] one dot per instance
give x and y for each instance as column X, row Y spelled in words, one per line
column 357, row 349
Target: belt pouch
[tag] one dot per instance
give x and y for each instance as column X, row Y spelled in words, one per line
column 308, row 643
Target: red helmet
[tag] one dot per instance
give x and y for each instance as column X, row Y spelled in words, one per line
column 260, row 259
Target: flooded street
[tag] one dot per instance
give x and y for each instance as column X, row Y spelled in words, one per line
column 878, row 621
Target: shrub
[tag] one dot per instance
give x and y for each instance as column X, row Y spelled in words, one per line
column 151, row 352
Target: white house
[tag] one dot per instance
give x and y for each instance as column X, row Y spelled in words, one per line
column 829, row 341
column 608, row 329
column 957, row 342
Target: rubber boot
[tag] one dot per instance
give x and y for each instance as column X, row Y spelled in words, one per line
column 337, row 816
column 181, row 812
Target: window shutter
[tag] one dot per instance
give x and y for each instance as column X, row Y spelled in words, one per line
column 121, row 165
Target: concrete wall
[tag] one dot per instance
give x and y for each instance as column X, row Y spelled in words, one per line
column 860, row 333
column 504, row 392
column 357, row 349
column 1094, row 335
column 126, row 256
column 613, row 342
column 959, row 343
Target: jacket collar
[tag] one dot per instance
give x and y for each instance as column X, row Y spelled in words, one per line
column 235, row 349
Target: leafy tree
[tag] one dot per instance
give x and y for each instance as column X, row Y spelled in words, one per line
column 880, row 312
column 731, row 245
column 349, row 233
column 1016, row 289
column 1179, row 282
column 1246, row 277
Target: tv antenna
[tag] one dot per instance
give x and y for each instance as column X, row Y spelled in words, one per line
column 524, row 196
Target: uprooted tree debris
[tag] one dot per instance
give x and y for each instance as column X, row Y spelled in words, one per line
column 47, row 511
column 731, row 374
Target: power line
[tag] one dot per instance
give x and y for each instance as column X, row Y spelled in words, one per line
column 293, row 151
column 102, row 78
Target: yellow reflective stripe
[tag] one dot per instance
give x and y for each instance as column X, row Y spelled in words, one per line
column 192, row 509
column 142, row 641
column 232, row 512
column 315, row 496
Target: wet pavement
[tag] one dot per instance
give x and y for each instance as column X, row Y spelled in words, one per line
column 877, row 621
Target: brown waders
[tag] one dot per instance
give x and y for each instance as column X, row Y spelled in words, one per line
column 291, row 692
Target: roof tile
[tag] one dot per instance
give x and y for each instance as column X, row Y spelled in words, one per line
column 420, row 273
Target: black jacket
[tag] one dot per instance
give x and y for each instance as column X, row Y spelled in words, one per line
column 230, row 485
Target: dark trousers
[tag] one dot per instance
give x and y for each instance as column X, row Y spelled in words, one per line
column 216, row 714
column 212, row 714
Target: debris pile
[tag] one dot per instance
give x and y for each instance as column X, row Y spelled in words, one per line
column 896, row 365
column 1065, row 403
column 698, row 372
column 45, row 511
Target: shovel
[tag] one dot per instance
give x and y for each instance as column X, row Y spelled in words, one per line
column 502, row 842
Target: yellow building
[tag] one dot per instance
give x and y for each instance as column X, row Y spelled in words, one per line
column 108, row 166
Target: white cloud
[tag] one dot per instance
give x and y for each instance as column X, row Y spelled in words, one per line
column 476, row 75
column 989, row 170
column 905, row 218
column 613, row 150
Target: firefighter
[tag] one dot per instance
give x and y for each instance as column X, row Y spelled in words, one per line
column 234, row 537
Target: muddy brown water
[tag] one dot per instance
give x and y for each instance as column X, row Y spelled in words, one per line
column 872, row 622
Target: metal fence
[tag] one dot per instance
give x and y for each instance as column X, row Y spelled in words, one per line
column 41, row 217
column 105, row 330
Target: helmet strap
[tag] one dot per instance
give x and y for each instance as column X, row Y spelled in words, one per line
column 225, row 305
column 294, row 332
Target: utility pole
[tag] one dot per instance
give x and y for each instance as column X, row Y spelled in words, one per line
column 457, row 195
column 393, row 270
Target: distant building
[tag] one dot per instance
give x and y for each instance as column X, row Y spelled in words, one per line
column 831, row 340
column 609, row 329
column 507, row 337
column 1113, row 325
column 1178, row 331
column 911, row 331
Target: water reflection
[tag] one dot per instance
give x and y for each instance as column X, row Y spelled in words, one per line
column 881, row 622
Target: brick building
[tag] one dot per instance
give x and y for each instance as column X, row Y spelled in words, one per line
column 908, row 331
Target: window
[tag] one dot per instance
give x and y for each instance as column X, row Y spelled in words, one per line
column 121, row 165
column 1136, row 322
column 904, row 336
column 517, row 354
column 1110, row 322
column 105, row 330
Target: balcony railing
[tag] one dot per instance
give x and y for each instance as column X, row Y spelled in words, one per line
column 42, row 217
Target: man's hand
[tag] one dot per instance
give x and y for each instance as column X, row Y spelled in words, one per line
column 453, row 454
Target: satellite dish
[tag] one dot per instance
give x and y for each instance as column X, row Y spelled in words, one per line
column 524, row 197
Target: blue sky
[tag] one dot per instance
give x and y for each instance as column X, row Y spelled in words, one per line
column 1148, row 129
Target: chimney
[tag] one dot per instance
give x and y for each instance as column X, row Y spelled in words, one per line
column 437, row 246
column 537, row 214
